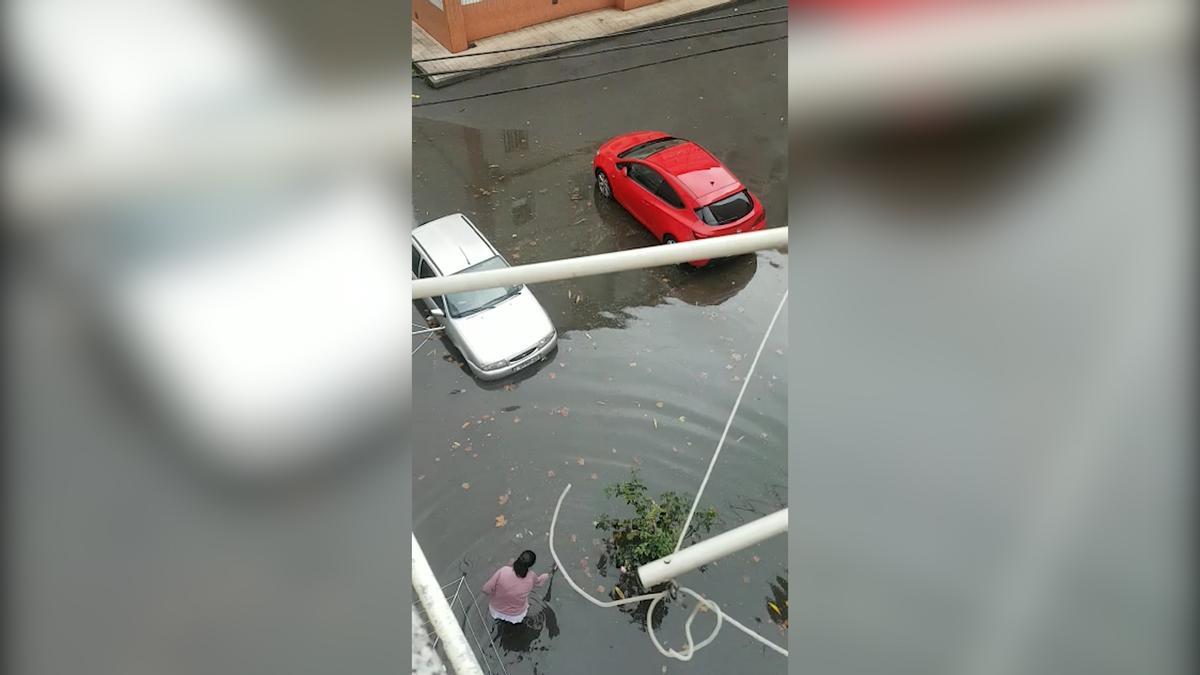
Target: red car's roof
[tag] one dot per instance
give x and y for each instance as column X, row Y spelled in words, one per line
column 693, row 166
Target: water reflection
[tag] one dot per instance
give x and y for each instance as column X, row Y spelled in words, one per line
column 777, row 602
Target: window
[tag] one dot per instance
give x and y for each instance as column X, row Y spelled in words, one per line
column 644, row 150
column 470, row 302
column 425, row 271
column 655, row 183
column 668, row 195
column 515, row 139
column 648, row 177
column 726, row 210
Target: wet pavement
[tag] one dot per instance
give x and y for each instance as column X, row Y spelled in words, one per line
column 649, row 361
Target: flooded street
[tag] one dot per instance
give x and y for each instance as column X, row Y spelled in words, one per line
column 649, row 362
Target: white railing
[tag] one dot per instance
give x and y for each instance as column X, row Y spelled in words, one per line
column 603, row 263
column 437, row 610
column 714, row 548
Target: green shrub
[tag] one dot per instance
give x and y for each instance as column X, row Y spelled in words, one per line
column 653, row 530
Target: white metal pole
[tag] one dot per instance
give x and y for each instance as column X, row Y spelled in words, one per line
column 453, row 642
column 688, row 559
column 603, row 263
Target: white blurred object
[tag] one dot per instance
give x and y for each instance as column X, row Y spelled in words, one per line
column 978, row 50
column 121, row 70
column 269, row 336
column 270, row 137
column 272, row 346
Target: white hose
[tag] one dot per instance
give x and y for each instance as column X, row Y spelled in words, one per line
column 654, row 598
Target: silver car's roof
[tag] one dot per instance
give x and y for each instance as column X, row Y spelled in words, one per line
column 452, row 243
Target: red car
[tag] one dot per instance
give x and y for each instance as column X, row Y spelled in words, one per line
column 676, row 188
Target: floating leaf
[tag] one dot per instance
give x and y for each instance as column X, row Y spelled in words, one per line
column 501, row 521
column 553, row 375
column 550, row 473
column 580, row 461
column 573, row 539
column 503, row 499
column 595, row 477
column 659, row 404
column 466, row 486
column 600, row 590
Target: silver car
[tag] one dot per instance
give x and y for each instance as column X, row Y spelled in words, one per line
column 498, row 330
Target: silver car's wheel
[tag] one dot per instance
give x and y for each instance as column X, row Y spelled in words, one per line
column 603, row 185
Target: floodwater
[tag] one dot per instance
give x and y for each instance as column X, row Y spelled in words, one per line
column 649, row 362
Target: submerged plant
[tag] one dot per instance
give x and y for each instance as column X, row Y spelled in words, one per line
column 654, row 528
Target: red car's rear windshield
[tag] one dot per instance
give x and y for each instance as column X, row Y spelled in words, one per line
column 727, row 210
column 644, row 150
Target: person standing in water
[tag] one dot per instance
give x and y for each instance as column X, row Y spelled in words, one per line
column 509, row 588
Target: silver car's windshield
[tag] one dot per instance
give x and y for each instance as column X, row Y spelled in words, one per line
column 470, row 302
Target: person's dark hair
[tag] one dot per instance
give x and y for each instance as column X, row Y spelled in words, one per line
column 523, row 562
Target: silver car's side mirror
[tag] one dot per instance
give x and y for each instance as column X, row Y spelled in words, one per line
column 437, row 313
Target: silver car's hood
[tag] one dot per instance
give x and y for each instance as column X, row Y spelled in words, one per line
column 506, row 330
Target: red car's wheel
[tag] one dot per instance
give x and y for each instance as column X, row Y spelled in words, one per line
column 603, row 185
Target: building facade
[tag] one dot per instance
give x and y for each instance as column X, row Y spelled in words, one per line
column 457, row 23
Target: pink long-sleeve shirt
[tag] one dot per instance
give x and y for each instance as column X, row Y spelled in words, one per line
column 509, row 592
